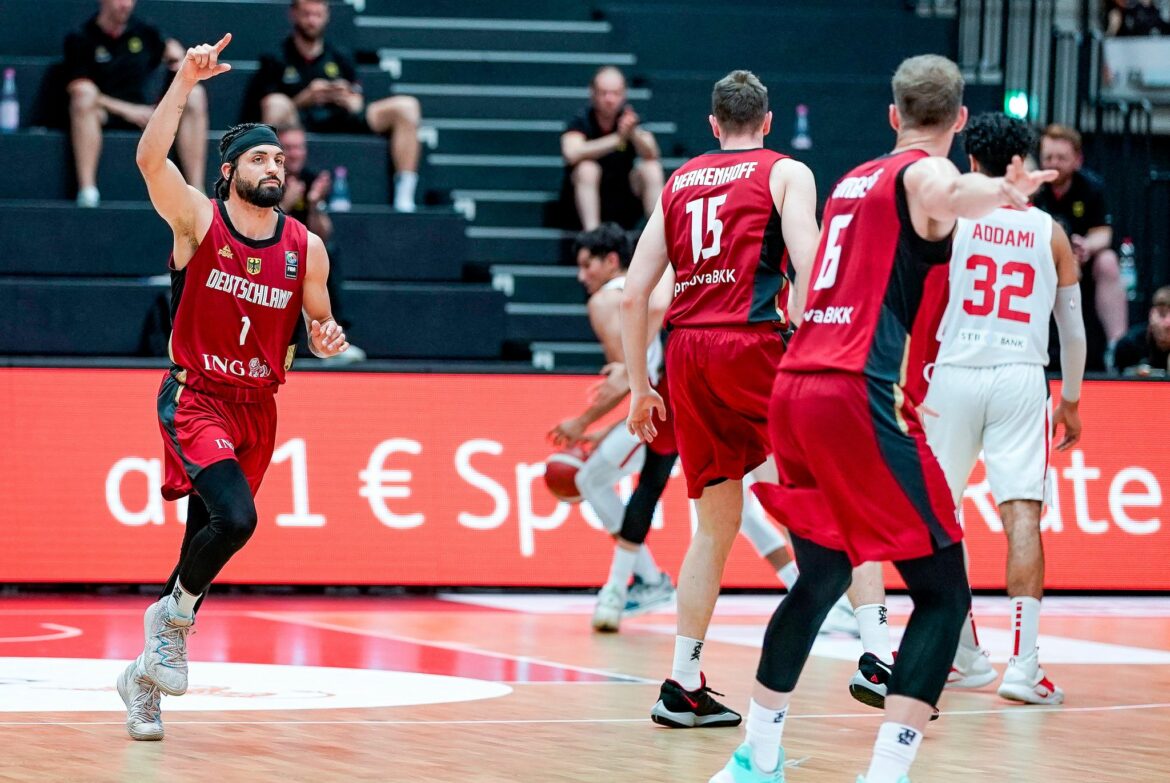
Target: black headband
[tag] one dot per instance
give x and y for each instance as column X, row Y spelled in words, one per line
column 253, row 137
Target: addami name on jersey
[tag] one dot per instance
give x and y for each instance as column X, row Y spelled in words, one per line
column 257, row 293
column 997, row 235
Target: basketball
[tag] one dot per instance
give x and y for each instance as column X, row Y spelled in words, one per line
column 560, row 473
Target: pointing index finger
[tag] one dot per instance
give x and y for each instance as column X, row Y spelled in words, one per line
column 223, row 42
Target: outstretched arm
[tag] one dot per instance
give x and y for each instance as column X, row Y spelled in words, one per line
column 186, row 209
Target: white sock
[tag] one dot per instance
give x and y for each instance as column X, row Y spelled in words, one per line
column 875, row 632
column 969, row 638
column 181, row 602
column 788, row 574
column 621, row 568
column 644, row 566
column 1026, row 625
column 405, row 183
column 765, row 729
column 687, row 662
column 893, row 753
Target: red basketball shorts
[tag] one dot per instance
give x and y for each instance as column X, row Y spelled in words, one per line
column 856, row 473
column 199, row 430
column 720, row 382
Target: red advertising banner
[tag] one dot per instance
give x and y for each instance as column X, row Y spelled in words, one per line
column 436, row 479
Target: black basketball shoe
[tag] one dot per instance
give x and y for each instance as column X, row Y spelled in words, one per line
column 871, row 681
column 683, row 709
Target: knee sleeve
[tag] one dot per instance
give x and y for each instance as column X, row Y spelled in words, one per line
column 232, row 512
column 942, row 598
column 824, row 576
column 651, row 484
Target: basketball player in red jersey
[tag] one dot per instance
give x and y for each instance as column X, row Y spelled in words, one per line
column 242, row 272
column 727, row 222
column 860, row 482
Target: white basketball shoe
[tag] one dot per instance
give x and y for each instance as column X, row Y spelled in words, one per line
column 971, row 669
column 165, row 658
column 143, row 702
column 1024, row 681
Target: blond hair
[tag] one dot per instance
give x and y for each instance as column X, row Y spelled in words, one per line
column 928, row 91
column 1064, row 133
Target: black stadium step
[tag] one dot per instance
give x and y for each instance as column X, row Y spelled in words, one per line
column 538, row 284
column 75, row 317
column 366, row 157
column 527, row 323
column 130, row 240
column 413, row 321
column 372, row 33
column 38, row 27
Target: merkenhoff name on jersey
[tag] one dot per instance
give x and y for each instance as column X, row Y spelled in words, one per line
column 714, row 175
column 256, row 293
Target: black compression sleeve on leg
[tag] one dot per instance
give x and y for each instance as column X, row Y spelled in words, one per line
column 942, row 597
column 825, row 575
column 232, row 512
column 197, row 519
column 651, row 484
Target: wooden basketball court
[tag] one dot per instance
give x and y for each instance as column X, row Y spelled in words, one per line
column 511, row 688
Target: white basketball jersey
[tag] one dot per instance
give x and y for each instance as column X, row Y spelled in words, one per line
column 1003, row 288
column 654, row 355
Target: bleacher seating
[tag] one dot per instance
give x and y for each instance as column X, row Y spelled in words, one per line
column 496, row 83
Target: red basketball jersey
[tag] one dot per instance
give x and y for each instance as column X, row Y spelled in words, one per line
column 868, row 285
column 723, row 239
column 235, row 306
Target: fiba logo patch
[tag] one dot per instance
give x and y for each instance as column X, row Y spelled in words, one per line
column 291, row 262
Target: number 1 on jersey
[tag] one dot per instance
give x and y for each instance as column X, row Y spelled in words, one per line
column 699, row 232
column 827, row 277
column 244, row 330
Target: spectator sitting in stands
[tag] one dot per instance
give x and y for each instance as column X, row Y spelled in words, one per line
column 109, row 61
column 314, row 84
column 603, row 178
column 1145, row 349
column 305, row 195
column 1077, row 202
column 1136, row 18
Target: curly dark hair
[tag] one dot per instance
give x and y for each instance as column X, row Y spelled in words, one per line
column 993, row 139
column 222, row 185
column 606, row 238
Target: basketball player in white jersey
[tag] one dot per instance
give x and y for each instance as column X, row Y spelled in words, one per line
column 1009, row 272
column 602, row 257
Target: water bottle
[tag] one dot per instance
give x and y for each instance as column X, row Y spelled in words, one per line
column 339, row 201
column 9, row 106
column 800, row 139
column 1128, row 269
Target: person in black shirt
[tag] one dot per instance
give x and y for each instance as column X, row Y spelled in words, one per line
column 109, row 63
column 1136, row 18
column 1077, row 202
column 604, row 179
column 313, row 84
column 1146, row 347
column 306, row 192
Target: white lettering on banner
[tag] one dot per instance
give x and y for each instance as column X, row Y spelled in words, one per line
column 483, row 483
column 529, row 520
column 382, row 484
column 152, row 512
column 1119, row 499
column 294, row 451
column 1078, row 474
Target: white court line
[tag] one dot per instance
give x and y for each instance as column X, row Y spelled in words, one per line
column 528, row 721
column 455, row 646
column 60, row 632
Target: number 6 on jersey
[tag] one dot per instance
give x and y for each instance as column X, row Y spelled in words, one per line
column 832, row 258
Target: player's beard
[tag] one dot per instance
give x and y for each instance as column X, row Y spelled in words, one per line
column 306, row 34
column 260, row 195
